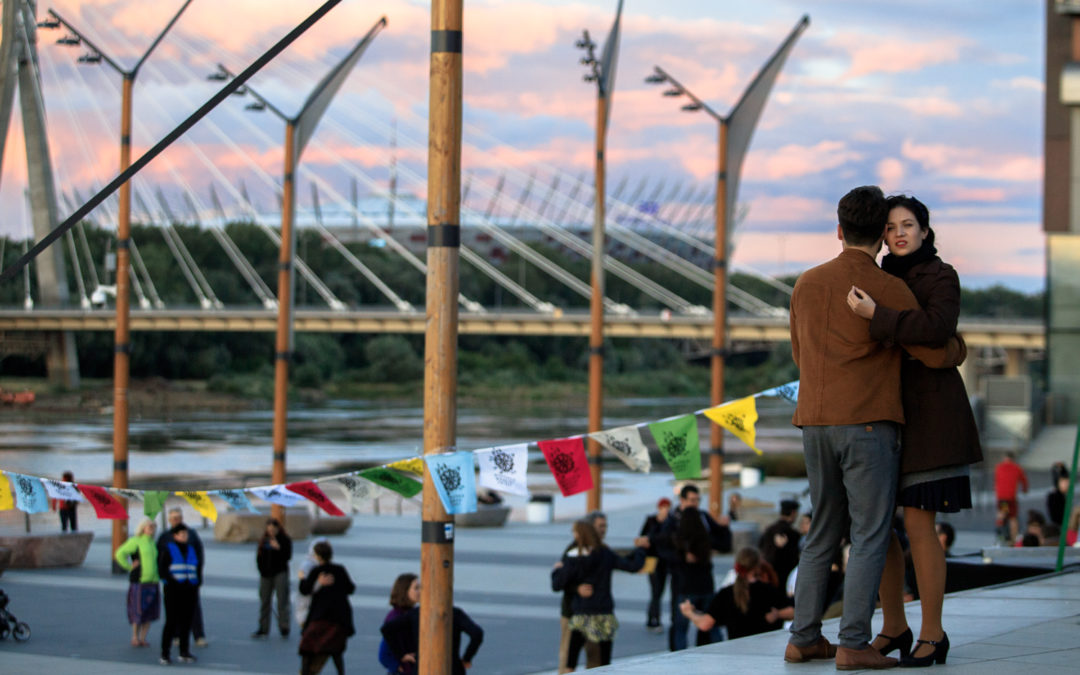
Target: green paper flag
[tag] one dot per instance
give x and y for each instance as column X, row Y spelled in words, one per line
column 392, row 480
column 678, row 442
column 154, row 501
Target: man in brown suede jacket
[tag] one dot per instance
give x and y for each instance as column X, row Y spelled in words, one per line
column 850, row 412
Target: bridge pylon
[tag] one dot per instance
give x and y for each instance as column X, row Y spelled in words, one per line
column 19, row 70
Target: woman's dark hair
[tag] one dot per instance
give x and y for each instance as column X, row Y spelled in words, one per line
column 586, row 534
column 862, row 215
column 918, row 209
column 747, row 559
column 276, row 523
column 323, row 551
column 691, row 535
column 399, row 593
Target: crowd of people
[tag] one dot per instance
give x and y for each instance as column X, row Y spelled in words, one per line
column 168, row 572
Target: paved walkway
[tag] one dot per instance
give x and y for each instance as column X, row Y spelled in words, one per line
column 501, row 578
column 1025, row 627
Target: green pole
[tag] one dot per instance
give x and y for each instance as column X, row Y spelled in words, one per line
column 1068, row 503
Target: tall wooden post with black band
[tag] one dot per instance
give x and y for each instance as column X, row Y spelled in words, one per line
column 440, row 339
column 122, row 334
column 283, row 340
column 719, row 344
column 596, row 311
column 602, row 72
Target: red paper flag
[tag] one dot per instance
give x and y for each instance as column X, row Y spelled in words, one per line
column 566, row 459
column 104, row 504
column 312, row 492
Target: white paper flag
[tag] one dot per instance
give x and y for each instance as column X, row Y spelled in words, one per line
column 62, row 490
column 358, row 490
column 504, row 468
column 276, row 494
column 126, row 493
column 626, row 444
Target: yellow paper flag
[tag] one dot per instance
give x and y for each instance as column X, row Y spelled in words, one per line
column 738, row 417
column 201, row 502
column 7, row 498
column 414, row 465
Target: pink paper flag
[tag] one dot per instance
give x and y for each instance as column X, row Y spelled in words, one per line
column 566, row 459
column 312, row 492
column 105, row 505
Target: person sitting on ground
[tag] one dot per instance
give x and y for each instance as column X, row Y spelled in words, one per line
column 748, row 607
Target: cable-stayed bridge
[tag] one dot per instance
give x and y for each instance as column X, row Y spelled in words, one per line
column 358, row 192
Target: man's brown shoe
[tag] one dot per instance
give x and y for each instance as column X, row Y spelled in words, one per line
column 819, row 650
column 867, row 658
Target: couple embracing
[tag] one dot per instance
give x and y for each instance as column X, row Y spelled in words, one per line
column 886, row 422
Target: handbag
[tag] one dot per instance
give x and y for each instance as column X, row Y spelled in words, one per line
column 323, row 637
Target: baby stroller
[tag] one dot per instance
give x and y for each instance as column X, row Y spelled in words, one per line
column 9, row 624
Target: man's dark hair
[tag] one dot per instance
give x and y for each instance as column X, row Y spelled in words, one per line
column 788, row 507
column 688, row 490
column 323, row 550
column 862, row 213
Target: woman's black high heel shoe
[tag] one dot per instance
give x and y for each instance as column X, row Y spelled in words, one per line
column 901, row 642
column 941, row 650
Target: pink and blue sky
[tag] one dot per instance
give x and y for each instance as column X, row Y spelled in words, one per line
column 940, row 99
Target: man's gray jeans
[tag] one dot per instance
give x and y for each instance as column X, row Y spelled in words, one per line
column 853, row 472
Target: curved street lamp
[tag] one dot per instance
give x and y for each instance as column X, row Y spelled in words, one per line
column 734, row 132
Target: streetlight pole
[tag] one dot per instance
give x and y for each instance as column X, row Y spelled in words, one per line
column 601, row 72
column 298, row 131
column 122, row 334
column 739, row 125
column 440, row 338
column 719, row 348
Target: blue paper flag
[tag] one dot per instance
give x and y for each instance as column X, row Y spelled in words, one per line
column 452, row 474
column 236, row 499
column 30, row 495
column 789, row 392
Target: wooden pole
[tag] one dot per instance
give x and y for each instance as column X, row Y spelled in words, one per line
column 283, row 343
column 596, row 311
column 122, row 335
column 719, row 351
column 440, row 339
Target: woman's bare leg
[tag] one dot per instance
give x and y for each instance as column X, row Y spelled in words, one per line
column 929, row 560
column 891, row 591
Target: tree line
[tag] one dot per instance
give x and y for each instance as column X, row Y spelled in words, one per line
column 242, row 363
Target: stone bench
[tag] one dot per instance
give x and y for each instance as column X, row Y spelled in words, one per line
column 30, row 551
column 333, row 525
column 244, row 526
column 484, row 516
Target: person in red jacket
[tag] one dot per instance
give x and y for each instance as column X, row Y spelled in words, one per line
column 1007, row 477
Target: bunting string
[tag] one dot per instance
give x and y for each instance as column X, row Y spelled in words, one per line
column 453, row 472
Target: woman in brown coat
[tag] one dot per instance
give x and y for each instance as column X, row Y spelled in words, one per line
column 939, row 440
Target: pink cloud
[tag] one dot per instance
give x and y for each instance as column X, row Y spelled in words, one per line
column 789, row 209
column 974, row 249
column 791, row 161
column 881, row 54
column 890, row 173
column 974, row 194
column 974, row 162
